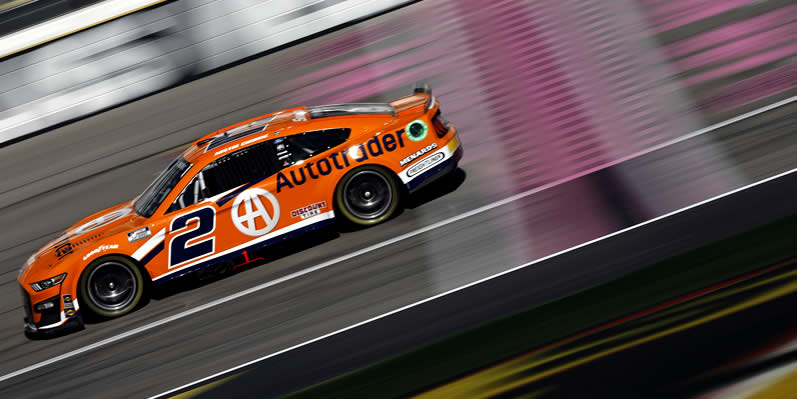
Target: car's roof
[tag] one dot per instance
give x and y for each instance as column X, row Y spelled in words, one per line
column 360, row 117
column 285, row 123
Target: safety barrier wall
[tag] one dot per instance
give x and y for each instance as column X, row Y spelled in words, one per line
column 149, row 50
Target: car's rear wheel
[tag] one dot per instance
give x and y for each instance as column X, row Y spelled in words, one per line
column 367, row 195
column 111, row 286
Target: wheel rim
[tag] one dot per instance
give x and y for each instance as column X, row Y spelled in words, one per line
column 112, row 286
column 367, row 194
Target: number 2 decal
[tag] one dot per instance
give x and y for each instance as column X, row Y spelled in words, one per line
column 180, row 249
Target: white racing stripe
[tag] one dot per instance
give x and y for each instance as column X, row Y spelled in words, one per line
column 148, row 246
column 453, row 219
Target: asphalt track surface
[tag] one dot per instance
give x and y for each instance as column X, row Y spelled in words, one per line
column 506, row 294
column 54, row 179
column 366, row 286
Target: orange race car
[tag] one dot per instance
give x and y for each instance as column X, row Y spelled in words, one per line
column 237, row 190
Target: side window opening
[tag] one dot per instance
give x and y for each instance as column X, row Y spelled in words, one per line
column 243, row 166
column 292, row 149
column 194, row 192
column 148, row 202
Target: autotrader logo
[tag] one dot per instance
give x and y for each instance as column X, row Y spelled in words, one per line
column 253, row 210
column 373, row 148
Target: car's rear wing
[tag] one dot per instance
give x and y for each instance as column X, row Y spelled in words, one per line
column 421, row 97
column 323, row 111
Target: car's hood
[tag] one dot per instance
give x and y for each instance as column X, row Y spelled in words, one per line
column 90, row 230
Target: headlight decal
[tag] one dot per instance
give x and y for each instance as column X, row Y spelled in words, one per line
column 49, row 283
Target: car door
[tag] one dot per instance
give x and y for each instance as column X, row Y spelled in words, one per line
column 191, row 224
column 201, row 228
column 311, row 163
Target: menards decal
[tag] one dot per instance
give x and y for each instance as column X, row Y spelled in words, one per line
column 417, row 154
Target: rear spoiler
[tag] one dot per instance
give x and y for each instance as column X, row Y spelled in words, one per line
column 422, row 88
column 324, row 111
column 421, row 96
column 425, row 89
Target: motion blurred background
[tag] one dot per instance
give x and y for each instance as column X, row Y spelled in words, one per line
column 625, row 101
column 548, row 89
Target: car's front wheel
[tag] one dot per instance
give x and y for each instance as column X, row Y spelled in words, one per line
column 111, row 286
column 367, row 195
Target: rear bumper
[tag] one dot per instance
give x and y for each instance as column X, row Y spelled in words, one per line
column 436, row 172
column 437, row 164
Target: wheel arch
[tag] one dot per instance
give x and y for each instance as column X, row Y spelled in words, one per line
column 401, row 193
column 147, row 279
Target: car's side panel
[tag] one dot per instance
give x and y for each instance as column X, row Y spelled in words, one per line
column 294, row 199
column 222, row 226
column 286, row 203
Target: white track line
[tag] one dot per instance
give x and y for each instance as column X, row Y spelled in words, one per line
column 525, row 265
column 402, row 237
column 516, row 268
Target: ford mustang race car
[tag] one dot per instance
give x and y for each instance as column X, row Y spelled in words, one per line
column 237, row 190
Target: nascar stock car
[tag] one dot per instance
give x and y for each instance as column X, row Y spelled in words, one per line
column 237, row 190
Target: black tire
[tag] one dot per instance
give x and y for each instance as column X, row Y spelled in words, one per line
column 367, row 195
column 111, row 286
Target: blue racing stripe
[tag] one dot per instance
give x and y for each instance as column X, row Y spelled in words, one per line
column 252, row 247
column 155, row 251
column 225, row 199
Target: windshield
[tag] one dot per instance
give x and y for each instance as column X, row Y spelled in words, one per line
column 153, row 196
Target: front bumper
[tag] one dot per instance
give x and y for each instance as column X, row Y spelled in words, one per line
column 64, row 315
column 69, row 323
